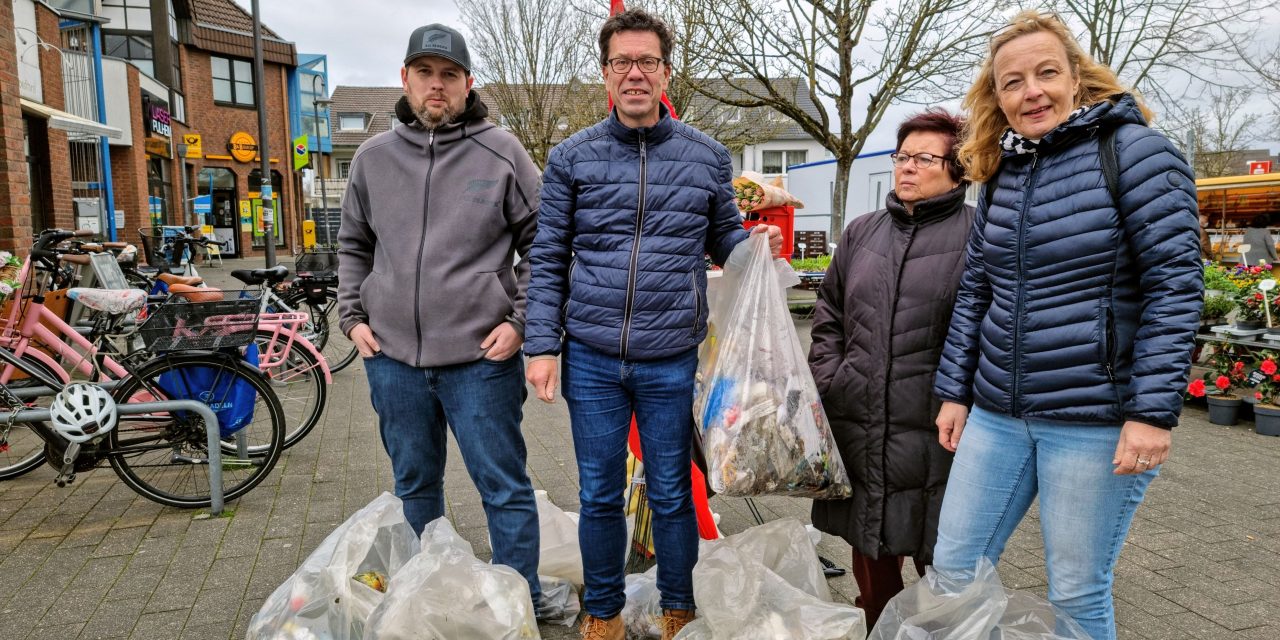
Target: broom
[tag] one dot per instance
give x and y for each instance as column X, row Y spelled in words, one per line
column 640, row 555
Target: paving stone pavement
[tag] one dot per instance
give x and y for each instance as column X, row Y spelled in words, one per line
column 95, row 560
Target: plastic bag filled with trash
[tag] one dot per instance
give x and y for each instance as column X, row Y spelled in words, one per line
column 763, row 429
column 332, row 594
column 766, row 584
column 641, row 613
column 560, row 603
column 559, row 555
column 941, row 608
column 445, row 593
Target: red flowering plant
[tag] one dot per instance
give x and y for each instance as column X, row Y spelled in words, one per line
column 1268, row 391
column 1226, row 372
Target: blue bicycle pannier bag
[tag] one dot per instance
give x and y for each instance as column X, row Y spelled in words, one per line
column 232, row 398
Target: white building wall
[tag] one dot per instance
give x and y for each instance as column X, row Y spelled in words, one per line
column 753, row 155
column 870, row 180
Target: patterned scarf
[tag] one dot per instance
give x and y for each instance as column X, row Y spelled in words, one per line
column 1020, row 144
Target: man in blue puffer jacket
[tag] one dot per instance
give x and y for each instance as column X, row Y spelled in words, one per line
column 629, row 208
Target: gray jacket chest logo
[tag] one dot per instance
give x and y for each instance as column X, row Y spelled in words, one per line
column 477, row 192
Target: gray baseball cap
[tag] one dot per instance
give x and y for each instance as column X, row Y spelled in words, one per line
column 438, row 40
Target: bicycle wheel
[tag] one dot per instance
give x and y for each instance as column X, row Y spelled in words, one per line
column 298, row 382
column 323, row 331
column 24, row 449
column 164, row 455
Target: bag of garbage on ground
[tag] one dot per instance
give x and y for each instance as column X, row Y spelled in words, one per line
column 766, row 584
column 764, row 431
column 754, row 192
column 332, row 594
column 559, row 556
column 446, row 593
column 641, row 613
column 560, row 603
column 941, row 608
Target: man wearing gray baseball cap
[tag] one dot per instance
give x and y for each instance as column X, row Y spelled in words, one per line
column 434, row 214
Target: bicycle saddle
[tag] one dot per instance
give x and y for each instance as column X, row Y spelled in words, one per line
column 257, row 276
column 171, row 279
column 112, row 301
column 196, row 294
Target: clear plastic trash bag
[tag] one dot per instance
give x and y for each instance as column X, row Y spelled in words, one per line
column 559, row 602
column 763, row 429
column 642, row 611
column 559, row 556
column 324, row 598
column 941, row 608
column 446, row 593
column 766, row 583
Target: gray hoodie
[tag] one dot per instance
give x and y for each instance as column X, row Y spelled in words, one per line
column 431, row 222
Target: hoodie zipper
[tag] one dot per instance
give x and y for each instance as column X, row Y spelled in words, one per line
column 1022, row 287
column 422, row 245
column 635, row 254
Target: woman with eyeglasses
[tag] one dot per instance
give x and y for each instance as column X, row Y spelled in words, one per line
column 881, row 315
column 1070, row 345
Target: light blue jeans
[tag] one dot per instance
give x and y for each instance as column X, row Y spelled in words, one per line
column 1000, row 466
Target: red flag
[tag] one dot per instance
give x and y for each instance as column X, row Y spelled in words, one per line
column 615, row 7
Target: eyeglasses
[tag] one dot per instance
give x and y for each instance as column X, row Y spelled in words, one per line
column 923, row 160
column 623, row 65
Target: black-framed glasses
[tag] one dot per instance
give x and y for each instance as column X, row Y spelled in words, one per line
column 623, row 65
column 923, row 160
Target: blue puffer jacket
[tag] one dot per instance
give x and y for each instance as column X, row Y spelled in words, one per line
column 1070, row 310
column 626, row 217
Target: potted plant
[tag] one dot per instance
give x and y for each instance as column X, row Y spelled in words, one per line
column 1226, row 375
column 1247, row 297
column 1217, row 280
column 1216, row 309
column 1266, row 411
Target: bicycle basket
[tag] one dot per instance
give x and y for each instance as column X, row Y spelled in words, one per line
column 182, row 325
column 317, row 263
column 157, row 247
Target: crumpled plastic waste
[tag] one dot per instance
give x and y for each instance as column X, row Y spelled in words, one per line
column 766, row 584
column 641, row 613
column 763, row 428
column 559, row 556
column 323, row 600
column 559, row 602
column 446, row 593
column 942, row 607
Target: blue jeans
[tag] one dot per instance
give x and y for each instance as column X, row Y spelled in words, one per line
column 1085, row 509
column 602, row 392
column 482, row 402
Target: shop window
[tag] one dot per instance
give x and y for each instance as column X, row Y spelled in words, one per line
column 232, row 82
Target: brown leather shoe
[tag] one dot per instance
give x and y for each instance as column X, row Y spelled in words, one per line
column 594, row 628
column 673, row 620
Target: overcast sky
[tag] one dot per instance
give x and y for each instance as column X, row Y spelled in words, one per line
column 366, row 42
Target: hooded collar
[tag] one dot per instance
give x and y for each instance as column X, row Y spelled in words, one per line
column 939, row 207
column 471, row 121
column 657, row 133
column 1112, row 112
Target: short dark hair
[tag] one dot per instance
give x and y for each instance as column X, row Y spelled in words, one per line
column 940, row 121
column 636, row 20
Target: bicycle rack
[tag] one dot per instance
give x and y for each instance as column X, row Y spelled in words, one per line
column 137, row 408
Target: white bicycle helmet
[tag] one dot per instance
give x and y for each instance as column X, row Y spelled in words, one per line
column 82, row 412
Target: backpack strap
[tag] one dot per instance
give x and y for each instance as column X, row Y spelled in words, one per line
column 1110, row 164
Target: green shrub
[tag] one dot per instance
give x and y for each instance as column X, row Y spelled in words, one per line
column 819, row 263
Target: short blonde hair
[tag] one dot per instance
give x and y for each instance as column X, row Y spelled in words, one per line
column 980, row 153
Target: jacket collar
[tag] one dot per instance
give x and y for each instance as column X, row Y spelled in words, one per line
column 471, row 121
column 657, row 133
column 1110, row 113
column 939, row 207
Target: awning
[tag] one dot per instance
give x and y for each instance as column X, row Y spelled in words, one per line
column 69, row 122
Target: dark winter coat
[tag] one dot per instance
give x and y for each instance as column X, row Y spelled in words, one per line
column 1071, row 309
column 627, row 216
column 882, row 315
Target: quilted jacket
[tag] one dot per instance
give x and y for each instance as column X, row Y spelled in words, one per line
column 1072, row 308
column 626, row 218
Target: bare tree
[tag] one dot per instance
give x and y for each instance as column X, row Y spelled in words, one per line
column 534, row 62
column 1221, row 132
column 1167, row 49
